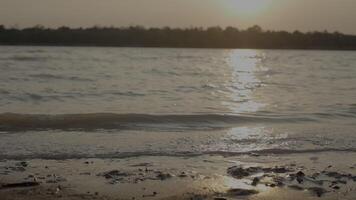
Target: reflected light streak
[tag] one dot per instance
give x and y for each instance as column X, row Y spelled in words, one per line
column 245, row 64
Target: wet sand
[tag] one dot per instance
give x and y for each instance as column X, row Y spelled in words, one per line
column 324, row 175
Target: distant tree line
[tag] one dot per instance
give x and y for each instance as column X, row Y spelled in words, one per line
column 213, row 37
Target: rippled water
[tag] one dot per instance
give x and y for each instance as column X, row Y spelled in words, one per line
column 111, row 102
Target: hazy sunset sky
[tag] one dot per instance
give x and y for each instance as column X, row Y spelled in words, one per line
column 304, row 15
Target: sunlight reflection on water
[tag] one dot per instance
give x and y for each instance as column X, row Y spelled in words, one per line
column 244, row 65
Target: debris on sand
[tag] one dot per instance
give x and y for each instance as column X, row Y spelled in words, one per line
column 277, row 170
column 270, row 185
column 334, row 174
column 338, row 175
column 163, row 176
column 53, row 178
column 17, row 168
column 241, row 192
column 142, row 165
column 198, row 197
column 182, row 175
column 22, row 164
column 317, row 191
column 220, row 198
column 296, row 187
column 336, row 187
column 113, row 174
column 21, row 184
column 279, row 181
column 255, row 181
column 239, row 172
column 280, row 176
column 255, row 154
column 300, row 176
column 150, row 195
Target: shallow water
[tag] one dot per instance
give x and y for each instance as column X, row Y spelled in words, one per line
column 73, row 102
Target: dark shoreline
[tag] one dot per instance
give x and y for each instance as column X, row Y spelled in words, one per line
column 170, row 37
column 168, row 47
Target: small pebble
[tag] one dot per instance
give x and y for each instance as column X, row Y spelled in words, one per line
column 336, row 187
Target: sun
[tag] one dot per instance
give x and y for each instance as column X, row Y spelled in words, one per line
column 248, row 8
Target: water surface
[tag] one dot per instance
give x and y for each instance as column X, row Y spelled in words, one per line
column 73, row 102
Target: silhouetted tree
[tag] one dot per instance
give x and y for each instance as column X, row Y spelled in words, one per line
column 194, row 37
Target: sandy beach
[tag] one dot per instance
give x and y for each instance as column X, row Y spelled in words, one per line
column 324, row 175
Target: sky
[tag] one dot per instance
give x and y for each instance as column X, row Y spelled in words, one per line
column 290, row 15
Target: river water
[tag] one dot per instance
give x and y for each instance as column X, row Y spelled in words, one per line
column 79, row 102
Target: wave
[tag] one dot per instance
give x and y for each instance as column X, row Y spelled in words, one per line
column 2, row 91
column 94, row 121
column 27, row 58
column 59, row 77
column 122, row 155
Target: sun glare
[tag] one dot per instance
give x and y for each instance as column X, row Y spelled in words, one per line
column 248, row 8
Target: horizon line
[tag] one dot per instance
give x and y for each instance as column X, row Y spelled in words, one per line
column 204, row 28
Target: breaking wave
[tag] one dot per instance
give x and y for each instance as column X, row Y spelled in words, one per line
column 94, row 121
